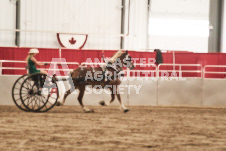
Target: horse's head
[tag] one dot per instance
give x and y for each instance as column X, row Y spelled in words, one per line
column 127, row 60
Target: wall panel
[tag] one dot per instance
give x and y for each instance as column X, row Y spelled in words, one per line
column 192, row 92
column 214, row 92
column 7, row 21
column 103, row 17
column 138, row 20
column 179, row 25
column 73, row 16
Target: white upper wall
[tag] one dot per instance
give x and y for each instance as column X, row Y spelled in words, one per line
column 7, row 21
column 179, row 25
column 187, row 18
column 73, row 16
column 138, row 25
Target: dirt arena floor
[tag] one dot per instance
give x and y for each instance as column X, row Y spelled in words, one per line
column 143, row 128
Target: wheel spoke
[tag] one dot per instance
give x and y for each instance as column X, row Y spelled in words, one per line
column 19, row 94
column 49, row 103
column 26, row 88
column 35, row 103
column 45, row 103
column 44, row 97
column 28, row 84
column 27, row 99
column 43, row 100
column 40, row 99
column 19, row 83
column 17, row 99
column 27, row 96
column 39, row 103
column 34, row 100
column 37, row 98
column 29, row 102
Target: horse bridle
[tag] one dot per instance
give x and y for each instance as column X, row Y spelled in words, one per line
column 129, row 59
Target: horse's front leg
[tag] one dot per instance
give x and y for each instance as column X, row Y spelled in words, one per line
column 122, row 106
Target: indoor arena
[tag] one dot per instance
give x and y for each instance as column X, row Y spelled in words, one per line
column 113, row 75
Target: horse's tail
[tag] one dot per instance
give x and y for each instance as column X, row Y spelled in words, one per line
column 70, row 73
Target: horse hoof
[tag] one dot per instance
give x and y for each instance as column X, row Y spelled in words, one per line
column 89, row 111
column 102, row 103
column 126, row 110
column 59, row 104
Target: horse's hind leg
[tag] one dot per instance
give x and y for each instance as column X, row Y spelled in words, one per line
column 65, row 96
column 68, row 92
column 104, row 103
column 80, row 96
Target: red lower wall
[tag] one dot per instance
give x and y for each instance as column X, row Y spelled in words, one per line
column 46, row 54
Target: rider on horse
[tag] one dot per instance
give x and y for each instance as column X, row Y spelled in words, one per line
column 113, row 63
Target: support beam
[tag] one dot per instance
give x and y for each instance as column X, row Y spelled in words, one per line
column 223, row 41
column 215, row 23
column 125, row 22
column 122, row 24
column 17, row 39
column 149, row 10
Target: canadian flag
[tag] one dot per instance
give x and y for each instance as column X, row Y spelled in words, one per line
column 72, row 41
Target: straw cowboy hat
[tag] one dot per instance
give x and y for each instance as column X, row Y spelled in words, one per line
column 33, row 51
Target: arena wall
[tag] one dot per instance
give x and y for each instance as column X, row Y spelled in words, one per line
column 6, row 89
column 182, row 92
column 189, row 92
column 214, row 92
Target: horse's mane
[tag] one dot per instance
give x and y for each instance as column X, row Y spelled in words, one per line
column 116, row 55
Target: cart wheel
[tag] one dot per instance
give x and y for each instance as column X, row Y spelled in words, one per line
column 16, row 92
column 39, row 93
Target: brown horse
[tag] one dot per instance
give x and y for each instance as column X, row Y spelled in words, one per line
column 109, row 76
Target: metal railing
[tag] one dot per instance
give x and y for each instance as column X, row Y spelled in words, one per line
column 213, row 72
column 54, row 69
column 93, row 63
column 143, row 71
column 156, row 69
column 128, row 71
column 180, row 71
column 11, row 68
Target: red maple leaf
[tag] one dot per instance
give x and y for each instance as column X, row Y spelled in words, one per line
column 72, row 41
